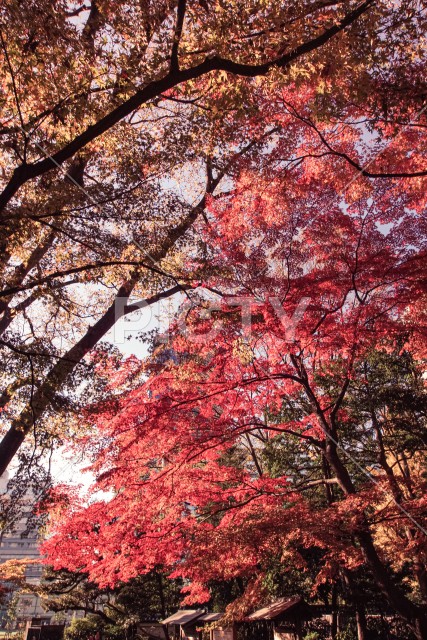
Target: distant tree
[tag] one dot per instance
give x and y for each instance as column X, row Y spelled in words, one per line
column 117, row 610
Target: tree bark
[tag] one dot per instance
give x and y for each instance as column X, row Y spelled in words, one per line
column 411, row 613
column 334, row 603
column 361, row 626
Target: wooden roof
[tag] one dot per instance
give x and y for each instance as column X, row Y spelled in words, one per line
column 184, row 616
column 276, row 609
column 210, row 617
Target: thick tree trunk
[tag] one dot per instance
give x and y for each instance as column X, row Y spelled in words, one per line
column 334, row 621
column 159, row 579
column 412, row 614
column 357, row 598
column 420, row 628
column 361, row 626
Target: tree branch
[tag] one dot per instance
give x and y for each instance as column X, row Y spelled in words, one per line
column 180, row 13
column 25, row 172
column 83, row 268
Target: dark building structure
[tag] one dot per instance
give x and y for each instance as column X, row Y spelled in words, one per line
column 281, row 620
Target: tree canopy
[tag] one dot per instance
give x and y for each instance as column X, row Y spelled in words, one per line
column 266, row 161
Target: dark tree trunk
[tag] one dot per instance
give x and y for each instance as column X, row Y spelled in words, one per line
column 362, row 629
column 334, row 602
column 412, row 614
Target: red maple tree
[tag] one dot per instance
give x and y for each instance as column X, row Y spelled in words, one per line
column 323, row 240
